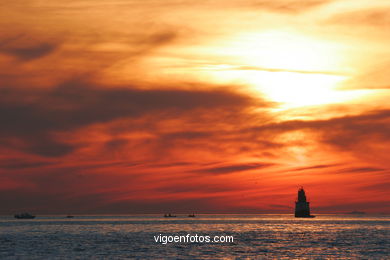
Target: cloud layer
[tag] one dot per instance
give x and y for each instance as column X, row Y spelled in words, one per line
column 140, row 107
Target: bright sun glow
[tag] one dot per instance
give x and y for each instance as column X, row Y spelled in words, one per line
column 287, row 51
column 298, row 89
column 286, row 68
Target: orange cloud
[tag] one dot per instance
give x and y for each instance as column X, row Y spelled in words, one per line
column 144, row 107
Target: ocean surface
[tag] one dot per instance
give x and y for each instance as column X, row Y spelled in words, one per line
column 255, row 237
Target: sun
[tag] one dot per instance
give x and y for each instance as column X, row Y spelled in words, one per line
column 293, row 89
column 289, row 69
column 293, row 69
column 286, row 68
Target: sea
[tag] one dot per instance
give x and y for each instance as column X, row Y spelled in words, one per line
column 244, row 237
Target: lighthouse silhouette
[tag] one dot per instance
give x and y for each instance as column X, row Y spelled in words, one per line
column 302, row 206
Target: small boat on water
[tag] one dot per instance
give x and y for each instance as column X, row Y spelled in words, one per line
column 169, row 216
column 24, row 215
column 355, row 212
column 69, row 216
column 191, row 216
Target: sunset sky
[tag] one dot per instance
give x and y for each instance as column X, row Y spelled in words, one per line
column 148, row 106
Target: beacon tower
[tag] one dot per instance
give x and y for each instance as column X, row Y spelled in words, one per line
column 302, row 207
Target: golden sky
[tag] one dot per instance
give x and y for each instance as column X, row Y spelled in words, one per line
column 130, row 106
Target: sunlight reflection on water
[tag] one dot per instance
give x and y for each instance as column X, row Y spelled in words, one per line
column 255, row 236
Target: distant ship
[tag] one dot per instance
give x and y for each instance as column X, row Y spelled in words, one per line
column 24, row 216
column 355, row 212
column 191, row 216
column 169, row 216
column 302, row 207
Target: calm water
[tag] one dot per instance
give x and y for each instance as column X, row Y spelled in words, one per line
column 255, row 237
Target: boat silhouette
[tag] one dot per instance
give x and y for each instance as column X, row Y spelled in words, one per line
column 356, row 212
column 191, row 216
column 169, row 216
column 24, row 215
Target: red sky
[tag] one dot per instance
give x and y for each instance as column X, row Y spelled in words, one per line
column 179, row 106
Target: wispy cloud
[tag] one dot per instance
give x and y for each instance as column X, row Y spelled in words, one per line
column 28, row 53
column 226, row 169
